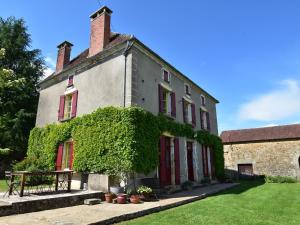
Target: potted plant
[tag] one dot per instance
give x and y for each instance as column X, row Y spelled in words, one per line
column 144, row 192
column 134, row 197
column 122, row 198
column 108, row 197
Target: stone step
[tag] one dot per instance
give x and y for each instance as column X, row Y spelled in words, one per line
column 92, row 201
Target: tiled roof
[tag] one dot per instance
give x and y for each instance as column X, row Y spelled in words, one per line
column 262, row 134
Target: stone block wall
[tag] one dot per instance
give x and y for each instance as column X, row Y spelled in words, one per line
column 274, row 158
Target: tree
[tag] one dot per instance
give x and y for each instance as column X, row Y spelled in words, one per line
column 20, row 71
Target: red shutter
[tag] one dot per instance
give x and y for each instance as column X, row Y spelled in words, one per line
column 74, row 104
column 70, row 82
column 201, row 119
column 71, row 156
column 162, row 172
column 208, row 121
column 193, row 115
column 173, row 104
column 204, row 161
column 61, row 108
column 59, row 156
column 177, row 161
column 183, row 110
column 160, row 98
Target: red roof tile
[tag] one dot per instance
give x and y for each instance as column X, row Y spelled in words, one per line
column 262, row 134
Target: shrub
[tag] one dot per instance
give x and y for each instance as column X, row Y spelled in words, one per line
column 144, row 190
column 279, row 179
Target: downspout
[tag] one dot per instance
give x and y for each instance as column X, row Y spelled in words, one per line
column 125, row 53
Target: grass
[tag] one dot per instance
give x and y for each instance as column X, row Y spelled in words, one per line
column 3, row 186
column 253, row 202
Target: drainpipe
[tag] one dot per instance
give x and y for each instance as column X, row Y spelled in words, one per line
column 125, row 53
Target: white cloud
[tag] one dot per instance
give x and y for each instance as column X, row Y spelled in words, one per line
column 51, row 62
column 274, row 105
column 47, row 72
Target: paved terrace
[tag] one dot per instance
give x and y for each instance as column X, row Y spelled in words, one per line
column 106, row 213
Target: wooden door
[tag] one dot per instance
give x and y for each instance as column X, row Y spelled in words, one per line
column 190, row 161
column 205, row 161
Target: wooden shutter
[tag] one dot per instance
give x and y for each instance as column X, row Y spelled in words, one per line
column 162, row 172
column 201, row 119
column 208, row 121
column 61, row 108
column 71, row 155
column 204, row 161
column 59, row 156
column 193, row 114
column 173, row 104
column 160, row 98
column 177, row 161
column 183, row 110
column 74, row 104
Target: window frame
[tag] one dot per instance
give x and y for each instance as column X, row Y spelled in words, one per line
column 188, row 112
column 65, row 162
column 187, row 89
column 68, row 99
column 168, row 75
column 203, row 100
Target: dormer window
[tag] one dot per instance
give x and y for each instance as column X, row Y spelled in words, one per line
column 203, row 100
column 70, row 80
column 166, row 76
column 187, row 89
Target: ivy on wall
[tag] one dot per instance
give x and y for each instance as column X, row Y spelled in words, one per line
column 113, row 140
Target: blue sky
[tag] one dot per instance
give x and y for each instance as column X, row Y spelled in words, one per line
column 245, row 53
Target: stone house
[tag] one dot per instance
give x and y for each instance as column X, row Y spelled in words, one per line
column 273, row 151
column 119, row 70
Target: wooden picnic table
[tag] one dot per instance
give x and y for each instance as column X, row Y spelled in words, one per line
column 24, row 174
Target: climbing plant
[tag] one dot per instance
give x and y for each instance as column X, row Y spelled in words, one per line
column 113, row 140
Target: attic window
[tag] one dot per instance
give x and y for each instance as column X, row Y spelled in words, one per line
column 187, row 89
column 166, row 76
column 203, row 102
column 70, row 80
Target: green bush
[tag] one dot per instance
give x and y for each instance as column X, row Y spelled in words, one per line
column 113, row 141
column 279, row 179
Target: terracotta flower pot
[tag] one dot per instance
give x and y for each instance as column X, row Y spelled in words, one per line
column 108, row 197
column 135, row 199
column 121, row 199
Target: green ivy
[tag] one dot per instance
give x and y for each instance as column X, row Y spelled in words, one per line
column 113, row 140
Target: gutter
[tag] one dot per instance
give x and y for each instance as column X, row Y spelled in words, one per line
column 125, row 53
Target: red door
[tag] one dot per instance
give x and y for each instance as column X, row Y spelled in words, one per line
column 190, row 161
column 165, row 161
column 205, row 161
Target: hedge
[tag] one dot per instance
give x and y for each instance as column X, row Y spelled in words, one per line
column 113, row 140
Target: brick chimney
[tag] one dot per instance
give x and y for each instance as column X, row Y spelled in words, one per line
column 100, row 30
column 63, row 55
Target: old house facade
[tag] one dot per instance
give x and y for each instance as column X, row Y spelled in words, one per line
column 273, row 151
column 119, row 70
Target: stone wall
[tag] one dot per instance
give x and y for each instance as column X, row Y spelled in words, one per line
column 276, row 158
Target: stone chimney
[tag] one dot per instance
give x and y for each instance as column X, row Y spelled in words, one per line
column 63, row 55
column 100, row 30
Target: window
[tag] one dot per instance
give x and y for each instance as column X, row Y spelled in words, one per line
column 189, row 115
column 66, row 156
column 167, row 101
column 299, row 162
column 166, row 76
column 205, row 121
column 187, row 112
column 64, row 160
column 70, row 80
column 68, row 106
column 203, row 101
column 187, row 89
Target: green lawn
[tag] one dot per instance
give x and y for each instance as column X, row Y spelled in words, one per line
column 250, row 203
